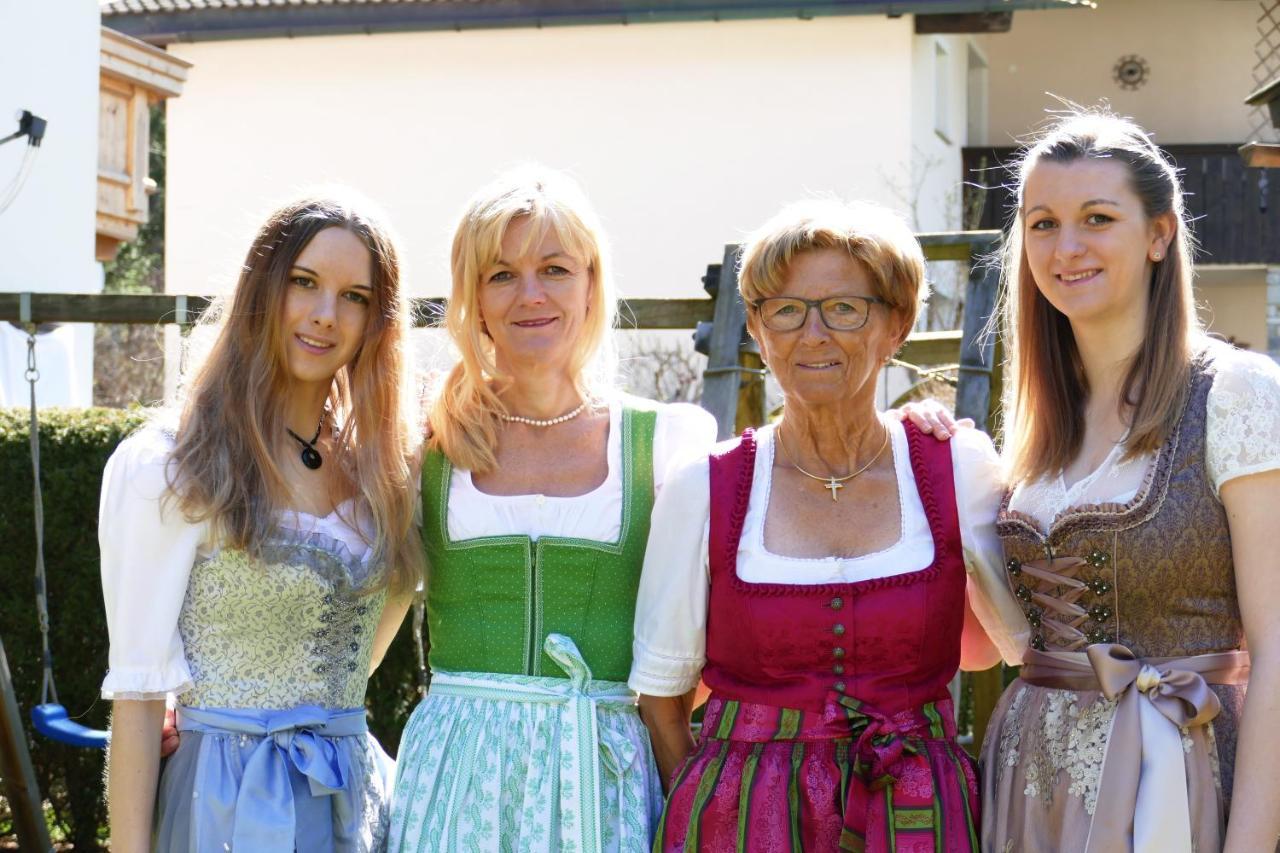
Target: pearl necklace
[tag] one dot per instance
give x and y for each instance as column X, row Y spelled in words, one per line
column 546, row 422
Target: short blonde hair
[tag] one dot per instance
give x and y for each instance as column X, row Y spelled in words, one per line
column 873, row 235
column 466, row 413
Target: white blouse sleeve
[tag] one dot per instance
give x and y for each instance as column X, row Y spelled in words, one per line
column 1243, row 417
column 148, row 549
column 684, row 433
column 979, row 489
column 669, row 649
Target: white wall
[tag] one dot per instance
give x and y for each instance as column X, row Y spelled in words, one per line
column 1200, row 52
column 939, row 130
column 49, row 65
column 1233, row 303
column 685, row 135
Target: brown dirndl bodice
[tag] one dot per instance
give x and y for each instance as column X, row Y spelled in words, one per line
column 1154, row 574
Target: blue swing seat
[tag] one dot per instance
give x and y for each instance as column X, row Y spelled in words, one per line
column 52, row 721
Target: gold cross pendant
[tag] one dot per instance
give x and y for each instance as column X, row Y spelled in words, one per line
column 834, row 487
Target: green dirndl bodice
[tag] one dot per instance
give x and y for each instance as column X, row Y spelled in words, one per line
column 528, row 738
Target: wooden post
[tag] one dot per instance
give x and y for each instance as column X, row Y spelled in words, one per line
column 974, row 399
column 977, row 350
column 751, row 402
column 20, row 788
column 722, row 379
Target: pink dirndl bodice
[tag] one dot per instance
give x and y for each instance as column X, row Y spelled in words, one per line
column 830, row 725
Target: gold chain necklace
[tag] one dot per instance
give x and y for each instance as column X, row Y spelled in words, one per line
column 834, row 483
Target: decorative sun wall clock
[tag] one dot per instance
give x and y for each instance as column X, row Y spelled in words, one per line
column 1131, row 72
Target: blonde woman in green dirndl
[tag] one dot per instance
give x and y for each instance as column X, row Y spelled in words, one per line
column 537, row 488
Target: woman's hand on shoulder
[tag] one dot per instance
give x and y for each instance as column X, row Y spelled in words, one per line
column 931, row 417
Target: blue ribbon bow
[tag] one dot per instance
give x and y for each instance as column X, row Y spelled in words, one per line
column 273, row 812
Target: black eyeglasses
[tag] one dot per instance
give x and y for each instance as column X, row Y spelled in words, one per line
column 839, row 313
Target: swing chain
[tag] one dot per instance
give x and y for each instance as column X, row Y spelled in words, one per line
column 48, row 690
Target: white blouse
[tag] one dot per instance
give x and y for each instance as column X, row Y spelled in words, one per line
column 670, row 629
column 1242, row 437
column 682, row 432
column 148, row 549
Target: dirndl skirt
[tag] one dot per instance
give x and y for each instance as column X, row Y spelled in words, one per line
column 766, row 778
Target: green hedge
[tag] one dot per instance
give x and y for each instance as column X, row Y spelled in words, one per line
column 74, row 447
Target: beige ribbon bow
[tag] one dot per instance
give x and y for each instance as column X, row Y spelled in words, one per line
column 1142, row 802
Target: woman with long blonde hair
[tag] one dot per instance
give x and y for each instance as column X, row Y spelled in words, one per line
column 259, row 552
column 1145, row 465
column 537, row 487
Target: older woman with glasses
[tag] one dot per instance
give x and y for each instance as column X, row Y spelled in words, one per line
column 824, row 576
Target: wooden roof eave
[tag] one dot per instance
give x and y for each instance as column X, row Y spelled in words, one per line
column 271, row 21
column 130, row 60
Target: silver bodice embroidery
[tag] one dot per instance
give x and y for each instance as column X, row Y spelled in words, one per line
column 292, row 626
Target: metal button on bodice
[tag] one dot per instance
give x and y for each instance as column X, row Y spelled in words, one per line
column 838, row 652
column 838, row 669
column 837, row 629
column 837, row 603
column 839, row 686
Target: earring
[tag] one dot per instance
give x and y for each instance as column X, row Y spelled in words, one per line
column 1155, row 256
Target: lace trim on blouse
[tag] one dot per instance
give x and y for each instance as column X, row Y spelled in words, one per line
column 1242, row 438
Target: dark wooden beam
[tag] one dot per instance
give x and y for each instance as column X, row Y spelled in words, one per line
column 151, row 308
column 1260, row 155
column 973, row 22
column 930, row 349
column 977, row 348
column 664, row 313
column 723, row 376
column 186, row 308
column 1267, row 95
column 957, row 245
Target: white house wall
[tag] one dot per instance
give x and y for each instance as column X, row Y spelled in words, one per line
column 49, row 65
column 1200, row 54
column 686, row 135
column 939, row 126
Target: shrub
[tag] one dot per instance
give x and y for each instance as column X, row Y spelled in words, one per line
column 74, row 447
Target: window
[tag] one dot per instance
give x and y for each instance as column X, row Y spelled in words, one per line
column 942, row 91
column 976, row 98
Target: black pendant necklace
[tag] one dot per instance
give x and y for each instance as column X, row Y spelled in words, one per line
column 310, row 456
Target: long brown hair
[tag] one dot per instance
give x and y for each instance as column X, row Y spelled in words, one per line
column 1046, row 382
column 467, row 412
column 225, row 469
